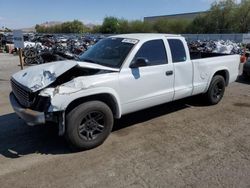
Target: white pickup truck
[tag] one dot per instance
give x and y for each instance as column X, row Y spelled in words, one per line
column 118, row 75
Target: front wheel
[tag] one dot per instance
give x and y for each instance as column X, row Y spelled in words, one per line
column 216, row 90
column 88, row 125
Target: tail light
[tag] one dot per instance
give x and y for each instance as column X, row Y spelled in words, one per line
column 243, row 59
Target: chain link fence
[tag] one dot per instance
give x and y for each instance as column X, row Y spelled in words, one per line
column 238, row 37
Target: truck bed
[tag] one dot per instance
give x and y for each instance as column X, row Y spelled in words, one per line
column 201, row 55
column 208, row 64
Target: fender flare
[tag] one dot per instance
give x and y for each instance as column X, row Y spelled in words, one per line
column 222, row 68
column 68, row 98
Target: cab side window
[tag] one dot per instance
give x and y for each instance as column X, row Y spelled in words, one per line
column 177, row 50
column 154, row 52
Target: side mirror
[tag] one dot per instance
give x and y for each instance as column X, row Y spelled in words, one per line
column 139, row 62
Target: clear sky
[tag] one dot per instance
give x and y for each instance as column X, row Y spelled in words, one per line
column 26, row 13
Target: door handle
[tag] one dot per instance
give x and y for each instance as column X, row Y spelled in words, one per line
column 169, row 73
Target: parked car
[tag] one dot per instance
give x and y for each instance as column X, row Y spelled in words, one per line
column 119, row 75
column 246, row 68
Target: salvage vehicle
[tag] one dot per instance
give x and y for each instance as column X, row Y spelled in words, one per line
column 119, row 75
column 246, row 68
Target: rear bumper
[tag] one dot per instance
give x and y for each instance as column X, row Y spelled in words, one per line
column 31, row 117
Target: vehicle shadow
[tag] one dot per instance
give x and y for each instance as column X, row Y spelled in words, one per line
column 243, row 80
column 18, row 139
column 157, row 111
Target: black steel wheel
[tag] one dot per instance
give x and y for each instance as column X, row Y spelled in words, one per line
column 216, row 90
column 88, row 125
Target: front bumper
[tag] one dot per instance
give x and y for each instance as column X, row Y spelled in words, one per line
column 31, row 117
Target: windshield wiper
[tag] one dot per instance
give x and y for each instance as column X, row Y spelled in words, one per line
column 89, row 60
column 96, row 62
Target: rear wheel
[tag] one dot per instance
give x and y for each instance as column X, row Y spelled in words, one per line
column 88, row 125
column 216, row 90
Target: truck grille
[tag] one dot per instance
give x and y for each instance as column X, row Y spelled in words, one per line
column 24, row 97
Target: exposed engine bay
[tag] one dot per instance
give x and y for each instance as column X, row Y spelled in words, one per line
column 32, row 87
column 75, row 72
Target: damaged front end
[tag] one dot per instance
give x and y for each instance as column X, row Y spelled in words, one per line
column 33, row 89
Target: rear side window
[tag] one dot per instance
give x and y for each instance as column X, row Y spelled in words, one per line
column 177, row 50
column 154, row 51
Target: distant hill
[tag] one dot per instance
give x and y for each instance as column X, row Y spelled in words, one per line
column 52, row 23
column 90, row 25
column 28, row 30
column 46, row 24
column 49, row 24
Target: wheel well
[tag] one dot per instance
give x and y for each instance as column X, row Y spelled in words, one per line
column 224, row 74
column 106, row 98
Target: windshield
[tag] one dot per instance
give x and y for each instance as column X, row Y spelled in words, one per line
column 109, row 52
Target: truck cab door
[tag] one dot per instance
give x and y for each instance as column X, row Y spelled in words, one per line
column 150, row 82
column 183, row 68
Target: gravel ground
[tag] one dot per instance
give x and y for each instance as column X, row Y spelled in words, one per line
column 180, row 144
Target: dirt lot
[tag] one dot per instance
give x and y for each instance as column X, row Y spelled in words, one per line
column 180, row 144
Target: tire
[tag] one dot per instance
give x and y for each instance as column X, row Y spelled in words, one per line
column 216, row 90
column 29, row 61
column 88, row 125
column 30, row 52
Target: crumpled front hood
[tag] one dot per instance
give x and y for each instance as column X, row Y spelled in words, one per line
column 40, row 76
